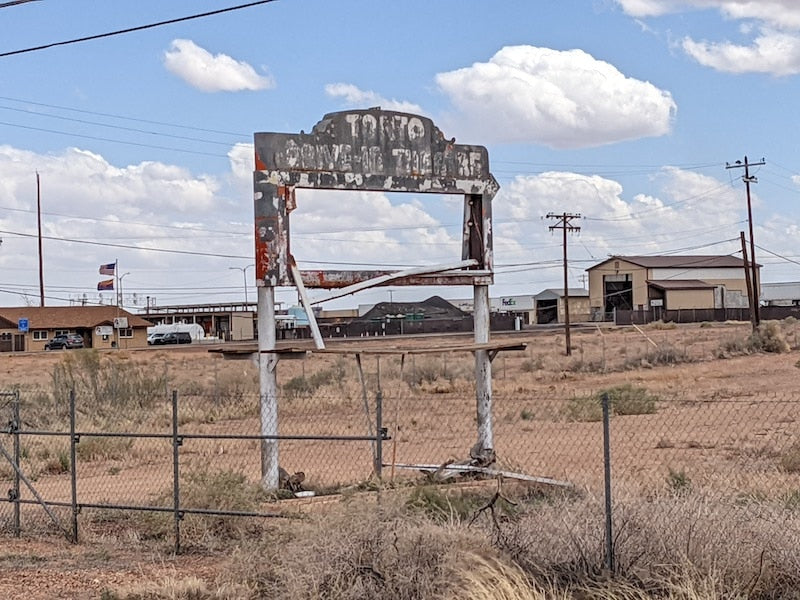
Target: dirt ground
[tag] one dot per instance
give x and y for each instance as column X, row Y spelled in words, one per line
column 722, row 416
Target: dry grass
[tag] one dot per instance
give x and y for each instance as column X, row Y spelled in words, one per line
column 681, row 548
column 706, row 489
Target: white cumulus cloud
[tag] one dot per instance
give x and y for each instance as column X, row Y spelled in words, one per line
column 772, row 28
column 684, row 213
column 778, row 13
column 212, row 72
column 358, row 98
column 563, row 99
column 771, row 52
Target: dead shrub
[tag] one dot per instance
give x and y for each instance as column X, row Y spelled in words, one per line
column 531, row 365
column 92, row 448
column 665, row 354
column 106, row 385
column 357, row 554
column 623, row 400
column 790, row 460
column 302, row 385
column 768, row 337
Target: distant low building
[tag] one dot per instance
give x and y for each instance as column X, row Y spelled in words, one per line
column 226, row 321
column 521, row 307
column 434, row 315
column 550, row 305
column 781, row 294
column 29, row 328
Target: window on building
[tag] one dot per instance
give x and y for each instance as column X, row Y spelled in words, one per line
column 40, row 334
column 126, row 332
column 62, row 331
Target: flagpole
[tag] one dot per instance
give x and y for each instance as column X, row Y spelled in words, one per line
column 116, row 287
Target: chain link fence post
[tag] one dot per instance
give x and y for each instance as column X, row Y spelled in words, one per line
column 379, row 434
column 607, row 482
column 15, row 423
column 176, row 500
column 73, row 466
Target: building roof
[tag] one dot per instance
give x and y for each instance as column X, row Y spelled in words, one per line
column 434, row 307
column 680, row 284
column 556, row 293
column 681, row 262
column 69, row 317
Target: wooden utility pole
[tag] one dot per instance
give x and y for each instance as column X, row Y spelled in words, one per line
column 564, row 223
column 748, row 179
column 41, row 257
column 748, row 282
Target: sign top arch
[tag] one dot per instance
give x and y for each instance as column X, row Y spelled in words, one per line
column 376, row 149
column 369, row 150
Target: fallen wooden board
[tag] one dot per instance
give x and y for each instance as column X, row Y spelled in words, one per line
column 484, row 470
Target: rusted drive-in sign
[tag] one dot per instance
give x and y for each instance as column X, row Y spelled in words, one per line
column 374, row 143
column 367, row 150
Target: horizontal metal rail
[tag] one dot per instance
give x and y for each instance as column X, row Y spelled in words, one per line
column 145, row 508
column 203, row 436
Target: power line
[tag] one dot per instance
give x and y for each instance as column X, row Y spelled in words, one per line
column 127, row 246
column 662, row 207
column 15, row 2
column 124, row 118
column 118, row 222
column 102, row 139
column 120, row 127
column 775, row 254
column 132, row 29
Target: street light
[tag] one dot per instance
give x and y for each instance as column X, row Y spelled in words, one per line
column 119, row 291
column 244, row 276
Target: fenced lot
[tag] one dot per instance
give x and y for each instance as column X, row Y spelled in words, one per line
column 165, row 445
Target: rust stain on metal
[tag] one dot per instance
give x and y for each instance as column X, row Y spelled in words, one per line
column 332, row 280
column 370, row 150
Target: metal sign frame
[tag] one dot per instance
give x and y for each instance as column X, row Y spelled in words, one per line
column 367, row 150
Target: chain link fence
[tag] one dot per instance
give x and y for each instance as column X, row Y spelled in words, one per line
column 69, row 459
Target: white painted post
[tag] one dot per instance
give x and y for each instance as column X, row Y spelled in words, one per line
column 483, row 370
column 268, row 382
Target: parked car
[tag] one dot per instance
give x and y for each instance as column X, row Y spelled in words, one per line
column 176, row 337
column 153, row 338
column 68, row 341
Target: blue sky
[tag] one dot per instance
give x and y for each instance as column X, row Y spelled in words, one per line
column 625, row 111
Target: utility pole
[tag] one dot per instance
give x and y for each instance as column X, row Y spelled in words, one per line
column 748, row 282
column 756, row 283
column 564, row 223
column 39, row 221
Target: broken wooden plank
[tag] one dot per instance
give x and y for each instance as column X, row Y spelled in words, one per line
column 427, row 468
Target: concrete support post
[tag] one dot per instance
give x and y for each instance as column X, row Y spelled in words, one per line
column 268, row 379
column 483, row 372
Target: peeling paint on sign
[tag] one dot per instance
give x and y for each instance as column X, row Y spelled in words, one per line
column 369, row 150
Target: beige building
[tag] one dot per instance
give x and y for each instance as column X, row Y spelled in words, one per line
column 29, row 328
column 227, row 321
column 661, row 283
column 551, row 308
